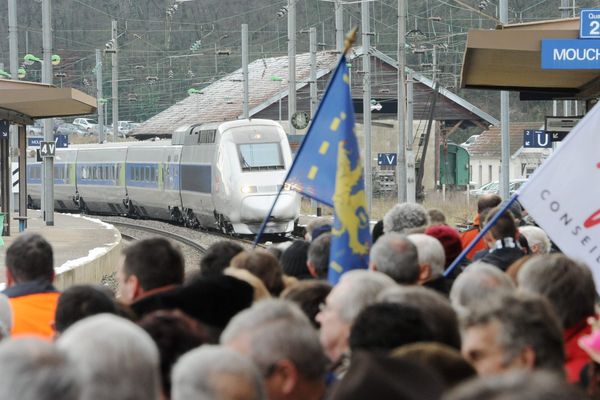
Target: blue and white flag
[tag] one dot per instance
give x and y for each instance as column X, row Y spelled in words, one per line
column 563, row 196
column 328, row 169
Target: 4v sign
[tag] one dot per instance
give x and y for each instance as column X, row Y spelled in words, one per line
column 563, row 196
column 47, row 149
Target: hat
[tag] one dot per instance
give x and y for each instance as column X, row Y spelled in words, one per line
column 377, row 376
column 449, row 238
column 212, row 300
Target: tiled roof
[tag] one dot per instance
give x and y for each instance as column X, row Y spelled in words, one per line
column 489, row 143
column 222, row 100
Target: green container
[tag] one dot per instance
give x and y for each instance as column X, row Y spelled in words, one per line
column 456, row 161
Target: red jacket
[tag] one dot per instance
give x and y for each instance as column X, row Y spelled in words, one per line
column 575, row 357
column 468, row 236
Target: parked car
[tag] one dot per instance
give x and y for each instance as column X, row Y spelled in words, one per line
column 35, row 129
column 469, row 141
column 71, row 129
column 88, row 124
column 124, row 127
column 490, row 187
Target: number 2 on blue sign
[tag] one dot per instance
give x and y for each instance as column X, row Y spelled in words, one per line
column 595, row 28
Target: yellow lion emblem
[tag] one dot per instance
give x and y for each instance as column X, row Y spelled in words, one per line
column 349, row 208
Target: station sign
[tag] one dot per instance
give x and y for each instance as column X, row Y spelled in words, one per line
column 570, row 54
column 589, row 27
column 47, row 149
column 536, row 139
column 387, row 159
column 4, row 128
column 61, row 141
column 559, row 127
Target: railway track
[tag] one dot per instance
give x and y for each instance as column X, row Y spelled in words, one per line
column 159, row 232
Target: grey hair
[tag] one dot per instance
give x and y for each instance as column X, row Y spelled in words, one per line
column 517, row 385
column 116, row 358
column 361, row 290
column 441, row 319
column 524, row 320
column 567, row 284
column 317, row 223
column 34, row 369
column 277, row 330
column 477, row 282
column 406, row 218
column 318, row 254
column 430, row 251
column 202, row 374
column 397, row 257
column 535, row 235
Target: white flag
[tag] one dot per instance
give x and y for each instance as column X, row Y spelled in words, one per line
column 563, row 196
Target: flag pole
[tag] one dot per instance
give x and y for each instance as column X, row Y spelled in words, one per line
column 486, row 228
column 348, row 42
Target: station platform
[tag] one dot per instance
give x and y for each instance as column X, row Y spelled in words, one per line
column 86, row 250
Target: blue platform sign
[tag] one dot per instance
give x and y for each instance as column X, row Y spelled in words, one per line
column 387, row 159
column 4, row 127
column 570, row 54
column 61, row 141
column 34, row 141
column 536, row 139
column 589, row 27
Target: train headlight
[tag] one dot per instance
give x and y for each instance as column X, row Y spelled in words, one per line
column 248, row 189
column 287, row 186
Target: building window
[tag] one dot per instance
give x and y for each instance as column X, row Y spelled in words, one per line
column 490, row 178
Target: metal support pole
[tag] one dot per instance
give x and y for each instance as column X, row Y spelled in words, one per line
column 291, row 63
column 101, row 137
column 339, row 26
column 504, row 122
column 366, row 43
column 115, row 81
column 13, row 39
column 245, row 70
column 6, row 185
column 23, row 174
column 411, row 191
column 313, row 91
column 48, row 181
column 401, row 176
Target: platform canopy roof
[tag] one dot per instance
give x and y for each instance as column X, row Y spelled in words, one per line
column 22, row 102
column 509, row 58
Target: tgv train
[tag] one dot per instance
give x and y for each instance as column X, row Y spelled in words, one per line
column 219, row 175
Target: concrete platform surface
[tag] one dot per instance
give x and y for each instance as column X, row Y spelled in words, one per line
column 77, row 241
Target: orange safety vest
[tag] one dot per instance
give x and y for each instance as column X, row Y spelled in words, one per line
column 33, row 314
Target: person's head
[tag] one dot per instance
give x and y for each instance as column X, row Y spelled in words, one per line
column 308, row 295
column 318, row 256
column 504, row 227
column 260, row 290
column 381, row 327
column 147, row 265
column 450, row 240
column 432, row 258
column 29, row 258
column 355, row 291
column 377, row 231
column 218, row 256
column 263, row 265
column 436, row 216
column 538, row 240
column 397, row 257
column 79, row 302
column 406, row 218
column 488, row 201
column 174, row 334
column 116, row 359
column 441, row 318
column 517, row 385
column 478, row 282
column 519, row 331
column 318, row 226
column 513, row 269
column 567, row 284
column 34, row 369
column 293, row 260
column 284, row 346
column 216, row 372
column 447, row 361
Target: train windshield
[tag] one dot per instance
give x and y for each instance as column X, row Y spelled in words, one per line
column 260, row 156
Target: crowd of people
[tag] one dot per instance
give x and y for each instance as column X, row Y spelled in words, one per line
column 516, row 319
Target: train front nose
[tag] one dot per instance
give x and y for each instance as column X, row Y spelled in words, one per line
column 255, row 208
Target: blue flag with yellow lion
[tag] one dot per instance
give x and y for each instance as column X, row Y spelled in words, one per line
column 328, row 169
